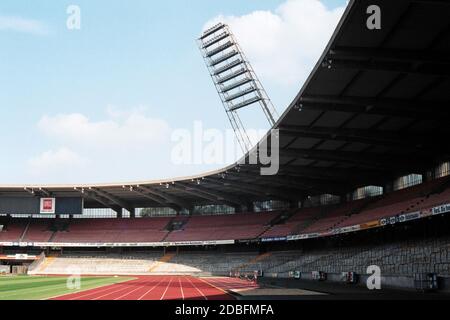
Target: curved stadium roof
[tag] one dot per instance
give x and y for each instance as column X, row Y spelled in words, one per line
column 376, row 106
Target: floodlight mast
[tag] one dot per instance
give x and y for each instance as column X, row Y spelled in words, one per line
column 234, row 78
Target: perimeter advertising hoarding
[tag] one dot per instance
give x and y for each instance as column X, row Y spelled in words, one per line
column 441, row 209
column 36, row 205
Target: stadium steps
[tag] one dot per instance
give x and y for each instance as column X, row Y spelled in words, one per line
column 37, row 263
column 175, row 224
column 169, row 226
column 165, row 237
column 164, row 259
column 52, row 236
column 303, row 225
column 4, row 220
column 255, row 260
column 46, row 263
column 357, row 210
column 22, row 236
column 354, row 210
column 307, row 223
column 283, row 217
column 268, row 227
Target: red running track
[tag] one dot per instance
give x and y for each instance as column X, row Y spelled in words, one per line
column 161, row 288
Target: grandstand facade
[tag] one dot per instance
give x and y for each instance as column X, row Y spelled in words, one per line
column 364, row 156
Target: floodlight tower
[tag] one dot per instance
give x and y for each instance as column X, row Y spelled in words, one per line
column 234, row 79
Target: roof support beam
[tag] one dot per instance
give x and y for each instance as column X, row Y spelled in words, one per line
column 112, row 198
column 220, row 182
column 153, row 197
column 392, row 66
column 91, row 195
column 45, row 192
column 324, row 175
column 98, row 199
column 263, row 191
column 170, row 198
column 336, row 173
column 385, row 107
column 217, row 195
column 195, row 193
column 354, row 135
column 301, row 184
column 203, row 195
column 370, row 160
column 388, row 55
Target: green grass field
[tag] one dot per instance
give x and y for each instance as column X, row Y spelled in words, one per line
column 39, row 288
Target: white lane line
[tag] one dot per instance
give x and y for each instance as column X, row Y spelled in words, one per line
column 181, row 288
column 109, row 293
column 162, row 297
column 151, row 289
column 128, row 293
column 195, row 287
column 92, row 291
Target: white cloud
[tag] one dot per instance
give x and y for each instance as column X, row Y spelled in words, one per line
column 283, row 46
column 121, row 130
column 60, row 161
column 124, row 145
column 18, row 24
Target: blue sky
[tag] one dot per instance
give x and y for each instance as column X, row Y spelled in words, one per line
column 130, row 77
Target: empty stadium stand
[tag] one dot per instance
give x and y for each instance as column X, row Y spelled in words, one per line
column 225, row 227
column 38, row 230
column 143, row 263
column 242, row 226
column 13, row 230
column 114, row 230
column 398, row 202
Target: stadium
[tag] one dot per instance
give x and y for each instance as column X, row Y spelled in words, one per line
column 358, row 208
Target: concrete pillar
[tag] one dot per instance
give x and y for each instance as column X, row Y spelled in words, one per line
column 118, row 210
column 132, row 212
column 294, row 204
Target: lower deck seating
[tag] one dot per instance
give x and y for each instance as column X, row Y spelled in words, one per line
column 144, row 263
column 396, row 257
column 403, row 258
